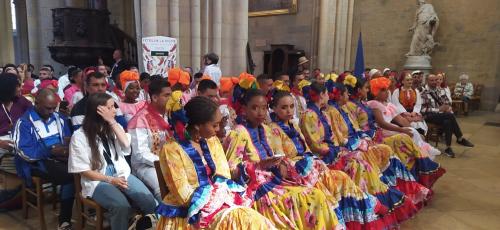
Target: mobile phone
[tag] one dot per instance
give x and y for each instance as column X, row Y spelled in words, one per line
column 63, row 105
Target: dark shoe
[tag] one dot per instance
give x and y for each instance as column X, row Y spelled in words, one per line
column 449, row 152
column 465, row 143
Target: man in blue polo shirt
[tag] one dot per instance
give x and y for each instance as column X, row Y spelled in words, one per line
column 41, row 138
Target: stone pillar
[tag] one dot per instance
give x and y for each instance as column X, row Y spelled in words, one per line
column 195, row 34
column 216, row 26
column 75, row 3
column 32, row 7
column 148, row 18
column 326, row 33
column 174, row 24
column 6, row 36
column 22, row 31
column 350, row 17
column 227, row 28
column 240, row 34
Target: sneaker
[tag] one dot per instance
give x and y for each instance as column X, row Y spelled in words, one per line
column 449, row 152
column 465, row 143
column 65, row 226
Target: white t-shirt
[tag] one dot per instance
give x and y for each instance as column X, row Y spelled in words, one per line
column 80, row 157
column 214, row 72
column 61, row 84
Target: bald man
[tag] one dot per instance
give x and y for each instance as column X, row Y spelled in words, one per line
column 436, row 109
column 41, row 139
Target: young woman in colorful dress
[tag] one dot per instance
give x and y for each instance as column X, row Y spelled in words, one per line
column 201, row 194
column 358, row 209
column 417, row 161
column 255, row 158
column 394, row 172
column 317, row 129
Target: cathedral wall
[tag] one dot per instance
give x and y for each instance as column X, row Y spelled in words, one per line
column 469, row 33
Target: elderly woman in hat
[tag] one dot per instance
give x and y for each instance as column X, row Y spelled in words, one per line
column 464, row 91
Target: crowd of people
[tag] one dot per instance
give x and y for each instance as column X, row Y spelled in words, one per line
column 301, row 150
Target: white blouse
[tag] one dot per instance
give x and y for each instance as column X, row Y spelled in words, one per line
column 80, row 157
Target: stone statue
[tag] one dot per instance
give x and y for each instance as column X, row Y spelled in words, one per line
column 424, row 28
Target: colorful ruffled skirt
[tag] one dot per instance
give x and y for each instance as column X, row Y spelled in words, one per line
column 236, row 217
column 368, row 177
column 395, row 174
column 425, row 170
column 355, row 208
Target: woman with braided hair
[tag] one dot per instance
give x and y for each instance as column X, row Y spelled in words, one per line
column 348, row 134
column 201, row 193
column 416, row 160
column 359, row 209
column 318, row 130
column 255, row 157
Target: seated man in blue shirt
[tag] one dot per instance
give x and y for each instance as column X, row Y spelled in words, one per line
column 41, row 138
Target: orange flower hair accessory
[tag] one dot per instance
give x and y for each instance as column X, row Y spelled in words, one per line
column 126, row 77
column 378, row 84
column 247, row 81
column 176, row 75
column 227, row 83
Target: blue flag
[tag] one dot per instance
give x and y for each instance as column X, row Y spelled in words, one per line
column 359, row 64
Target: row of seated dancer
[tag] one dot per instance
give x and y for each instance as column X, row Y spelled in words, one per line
column 334, row 169
column 310, row 157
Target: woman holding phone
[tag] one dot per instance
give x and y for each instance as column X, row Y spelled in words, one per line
column 255, row 157
column 359, row 209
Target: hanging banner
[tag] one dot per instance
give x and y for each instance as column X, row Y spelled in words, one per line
column 159, row 54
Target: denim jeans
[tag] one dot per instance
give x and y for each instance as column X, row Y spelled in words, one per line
column 120, row 202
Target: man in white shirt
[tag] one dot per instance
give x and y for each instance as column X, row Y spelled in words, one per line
column 211, row 68
column 64, row 81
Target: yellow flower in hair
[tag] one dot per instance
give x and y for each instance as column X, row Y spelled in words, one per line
column 350, row 80
column 247, row 83
column 280, row 85
column 174, row 102
column 331, row 76
column 303, row 84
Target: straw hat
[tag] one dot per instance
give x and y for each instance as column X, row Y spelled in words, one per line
column 303, row 60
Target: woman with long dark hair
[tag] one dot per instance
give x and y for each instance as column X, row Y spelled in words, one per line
column 201, row 192
column 394, row 172
column 255, row 156
column 321, row 133
column 97, row 153
column 422, row 167
column 358, row 209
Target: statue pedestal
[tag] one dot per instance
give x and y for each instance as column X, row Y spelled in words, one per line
column 422, row 63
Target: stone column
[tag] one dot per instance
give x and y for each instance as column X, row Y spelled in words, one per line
column 148, row 18
column 326, row 33
column 205, row 27
column 22, row 31
column 174, row 24
column 32, row 7
column 240, row 34
column 6, row 36
column 216, row 26
column 350, row 17
column 195, row 34
column 75, row 3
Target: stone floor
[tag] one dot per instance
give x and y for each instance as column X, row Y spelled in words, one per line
column 466, row 197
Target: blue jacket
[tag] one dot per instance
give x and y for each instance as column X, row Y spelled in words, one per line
column 33, row 139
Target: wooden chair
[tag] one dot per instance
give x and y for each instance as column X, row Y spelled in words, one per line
column 434, row 133
column 82, row 203
column 475, row 100
column 161, row 180
column 34, row 197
